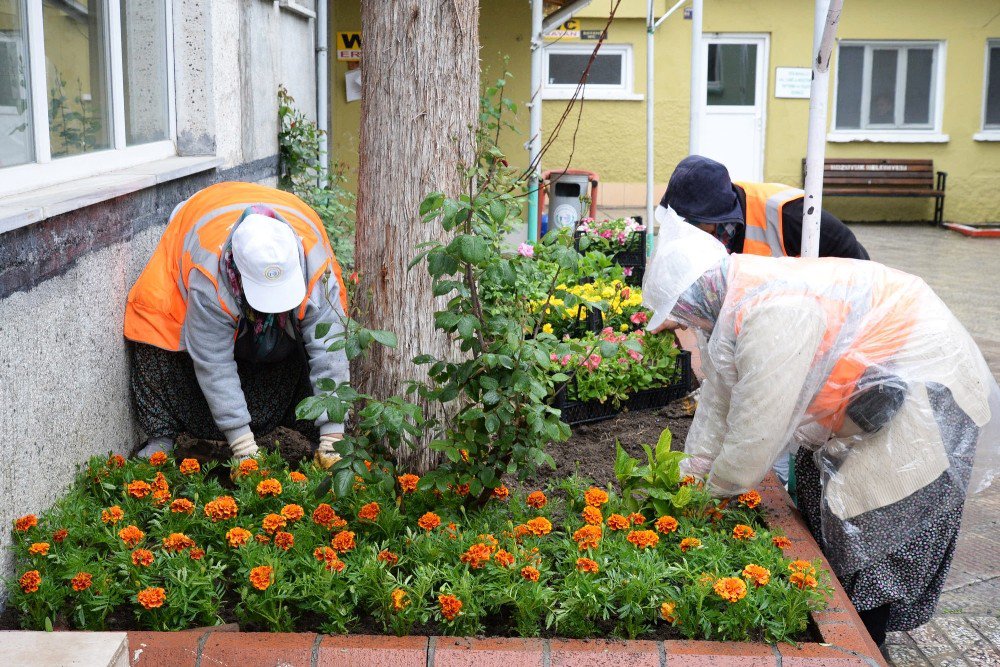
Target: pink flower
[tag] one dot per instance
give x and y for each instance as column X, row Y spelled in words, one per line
column 592, row 362
column 566, row 359
column 635, row 355
column 553, row 357
column 525, row 250
column 622, row 237
column 607, row 234
column 627, row 271
column 640, row 228
column 639, row 317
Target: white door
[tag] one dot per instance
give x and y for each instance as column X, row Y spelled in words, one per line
column 732, row 122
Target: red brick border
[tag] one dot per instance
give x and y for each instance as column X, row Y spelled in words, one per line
column 845, row 640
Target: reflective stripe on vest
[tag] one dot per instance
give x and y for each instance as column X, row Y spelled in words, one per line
column 764, row 233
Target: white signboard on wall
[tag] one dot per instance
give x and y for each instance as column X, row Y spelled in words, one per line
column 792, row 82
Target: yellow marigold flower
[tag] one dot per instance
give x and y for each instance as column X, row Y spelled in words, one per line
column 667, row 611
column 730, row 589
column 223, row 507
column 587, row 565
column 636, row 519
column 269, row 487
column 138, row 489
column 750, row 499
column 781, row 542
column 592, row 516
column 182, row 506
column 142, row 557
column 296, row 476
column 157, row 458
column 237, row 537
column 25, row 523
column 189, row 466
column 757, row 574
column 587, row 537
column 450, row 605
column 261, row 577
column 666, row 524
column 530, row 573
column 177, row 542
column 400, row 601
column 369, row 512
column 803, row 580
column 743, row 532
column 343, row 541
column 284, row 541
column 273, row 523
column 539, row 526
column 690, row 543
column 617, row 522
column 477, row 555
column 503, row 558
column 82, row 581
column 387, row 557
column 536, row 499
column 30, row 581
column 408, row 482
column 501, row 492
column 429, row 521
column 152, row 598
column 547, row 328
column 595, row 497
column 131, row 536
column 39, row 549
column 643, row 539
column 112, row 515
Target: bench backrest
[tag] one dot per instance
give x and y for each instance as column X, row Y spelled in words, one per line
column 869, row 173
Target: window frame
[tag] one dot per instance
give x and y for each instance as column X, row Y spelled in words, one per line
column 902, row 133
column 44, row 170
column 991, row 133
column 591, row 91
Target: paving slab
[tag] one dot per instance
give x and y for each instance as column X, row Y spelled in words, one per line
column 64, row 649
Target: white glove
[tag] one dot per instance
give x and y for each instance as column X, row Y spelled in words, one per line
column 326, row 455
column 244, row 447
column 153, row 445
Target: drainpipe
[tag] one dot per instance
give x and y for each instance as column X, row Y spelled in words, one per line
column 824, row 33
column 698, row 74
column 322, row 81
column 535, row 121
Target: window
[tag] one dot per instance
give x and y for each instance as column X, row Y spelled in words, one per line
column 732, row 75
column 610, row 75
column 85, row 86
column 991, row 102
column 893, row 87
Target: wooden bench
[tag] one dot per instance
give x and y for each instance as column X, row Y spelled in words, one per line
column 874, row 177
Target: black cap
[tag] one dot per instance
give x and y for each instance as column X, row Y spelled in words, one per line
column 701, row 191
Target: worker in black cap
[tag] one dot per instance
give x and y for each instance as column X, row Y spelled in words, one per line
column 750, row 218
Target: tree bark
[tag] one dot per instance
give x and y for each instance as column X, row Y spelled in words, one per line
column 420, row 99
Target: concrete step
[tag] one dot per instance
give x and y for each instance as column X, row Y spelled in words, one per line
column 64, row 649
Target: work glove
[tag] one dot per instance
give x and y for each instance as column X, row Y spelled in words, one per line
column 244, row 447
column 326, row 455
column 159, row 444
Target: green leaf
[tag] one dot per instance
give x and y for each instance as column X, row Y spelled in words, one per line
column 342, row 482
column 322, row 329
column 387, row 338
column 323, row 487
column 682, row 497
column 469, row 248
column 663, row 444
column 431, row 202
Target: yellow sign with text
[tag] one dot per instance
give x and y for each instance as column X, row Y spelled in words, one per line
column 568, row 30
column 349, row 46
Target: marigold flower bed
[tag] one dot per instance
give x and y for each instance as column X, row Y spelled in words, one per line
column 570, row 560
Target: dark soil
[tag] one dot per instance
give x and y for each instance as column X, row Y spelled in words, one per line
column 293, row 446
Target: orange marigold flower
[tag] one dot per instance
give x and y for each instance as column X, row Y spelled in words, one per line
column 189, row 466
column 714, row 514
column 803, row 580
column 462, row 490
column 536, row 499
column 343, row 541
column 369, row 512
column 643, row 538
column 408, row 482
column 293, row 512
column 595, row 497
column 388, row 557
column 30, row 581
column 477, row 555
column 450, row 606
column 246, row 467
column 262, row 538
column 116, row 461
column 429, row 521
column 296, row 476
column 269, row 487
column 750, row 499
column 744, row 532
column 196, row 554
column 617, row 522
column 273, row 522
column 25, row 523
column 689, row 480
column 157, row 458
column 260, row 577
column 142, row 557
column 530, row 573
column 131, row 536
column 329, row 557
column 182, row 506
column 60, row 535
column 666, row 524
column 689, row 543
column 177, row 542
column 152, row 598
column 222, row 508
column 587, row 565
column 539, row 526
column 592, row 516
column 503, row 558
column 160, row 497
column 587, row 537
column 324, row 516
column 400, row 601
column 489, row 540
column 667, row 611
column 781, row 542
column 802, row 566
column 39, row 549
column 237, row 537
column 636, row 519
column 82, row 581
column 138, row 489
column 757, row 574
column 706, row 579
column 520, row 530
column 501, row 492
column 284, row 541
column 730, row 589
column 464, row 453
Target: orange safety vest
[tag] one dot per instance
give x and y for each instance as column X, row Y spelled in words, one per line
column 870, row 312
column 197, row 231
column 764, row 234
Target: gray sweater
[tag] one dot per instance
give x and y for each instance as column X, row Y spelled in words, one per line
column 208, row 336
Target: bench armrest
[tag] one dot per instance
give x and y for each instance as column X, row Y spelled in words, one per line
column 942, row 178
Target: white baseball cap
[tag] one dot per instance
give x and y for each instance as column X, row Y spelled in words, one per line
column 266, row 252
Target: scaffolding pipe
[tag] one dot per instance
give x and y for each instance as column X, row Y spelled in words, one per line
column 698, row 74
column 535, row 118
column 322, row 83
column 824, row 33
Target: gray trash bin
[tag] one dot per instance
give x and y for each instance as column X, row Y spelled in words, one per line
column 565, row 206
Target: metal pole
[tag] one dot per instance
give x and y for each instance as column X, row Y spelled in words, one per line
column 535, row 121
column 322, row 81
column 650, row 47
column 827, row 16
column 697, row 78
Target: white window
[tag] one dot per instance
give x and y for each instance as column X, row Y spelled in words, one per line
column 609, row 78
column 889, row 90
column 991, row 93
column 85, row 87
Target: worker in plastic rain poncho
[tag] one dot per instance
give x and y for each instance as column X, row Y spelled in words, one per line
column 867, row 374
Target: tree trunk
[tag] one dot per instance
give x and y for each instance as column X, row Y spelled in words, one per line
column 420, row 83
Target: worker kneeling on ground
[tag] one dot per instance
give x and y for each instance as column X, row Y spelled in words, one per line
column 750, row 218
column 862, row 368
column 223, row 320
